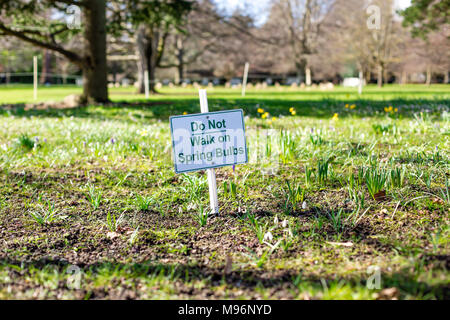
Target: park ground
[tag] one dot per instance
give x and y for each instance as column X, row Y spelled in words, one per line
column 353, row 204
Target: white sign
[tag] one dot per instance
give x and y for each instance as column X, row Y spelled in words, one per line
column 208, row 140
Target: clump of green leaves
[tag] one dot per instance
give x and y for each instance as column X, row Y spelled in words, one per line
column 396, row 177
column 288, row 146
column 143, row 202
column 295, row 195
column 112, row 223
column 46, row 214
column 193, row 186
column 202, row 216
column 259, row 229
column 375, row 180
column 316, row 139
column 357, row 197
column 308, row 175
column 230, row 189
column 322, row 171
column 337, row 222
column 94, row 196
column 381, row 128
column 25, row 143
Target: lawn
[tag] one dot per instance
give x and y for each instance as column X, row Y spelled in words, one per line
column 344, row 197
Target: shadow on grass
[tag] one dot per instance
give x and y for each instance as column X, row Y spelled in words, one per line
column 250, row 279
column 166, row 107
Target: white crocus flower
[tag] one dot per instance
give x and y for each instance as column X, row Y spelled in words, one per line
column 304, row 205
column 284, row 223
column 275, row 220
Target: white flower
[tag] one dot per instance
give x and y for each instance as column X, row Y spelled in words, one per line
column 275, row 220
column 268, row 236
column 284, row 223
column 304, row 205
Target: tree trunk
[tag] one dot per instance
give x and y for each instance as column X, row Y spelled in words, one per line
column 380, row 76
column 428, row 81
column 361, row 81
column 308, row 76
column 95, row 83
column 301, row 66
column 147, row 50
column 404, row 77
column 368, row 76
column 180, row 58
column 64, row 69
column 141, row 52
column 152, row 59
column 46, row 67
column 446, row 77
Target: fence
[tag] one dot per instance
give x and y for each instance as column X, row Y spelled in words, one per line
column 27, row 78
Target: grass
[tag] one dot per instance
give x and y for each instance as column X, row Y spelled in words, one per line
column 302, row 225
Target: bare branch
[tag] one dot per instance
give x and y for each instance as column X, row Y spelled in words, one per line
column 72, row 56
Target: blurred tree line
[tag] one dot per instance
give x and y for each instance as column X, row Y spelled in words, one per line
column 308, row 40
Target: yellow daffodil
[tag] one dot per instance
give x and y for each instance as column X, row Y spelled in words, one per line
column 274, row 118
column 346, row 106
column 260, row 110
column 185, row 113
column 352, row 106
column 396, row 109
column 389, row 109
column 335, row 117
column 269, row 122
column 264, row 115
column 291, row 109
column 294, row 113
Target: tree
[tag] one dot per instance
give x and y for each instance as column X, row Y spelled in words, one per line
column 152, row 22
column 424, row 16
column 432, row 55
column 301, row 29
column 21, row 19
column 210, row 42
column 372, row 35
column 198, row 35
